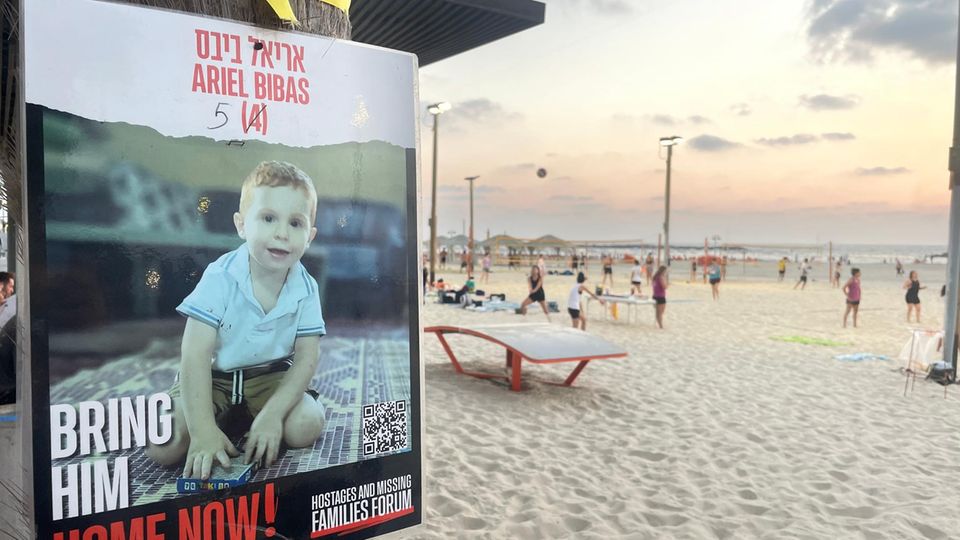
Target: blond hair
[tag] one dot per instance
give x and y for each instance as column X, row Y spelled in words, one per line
column 278, row 174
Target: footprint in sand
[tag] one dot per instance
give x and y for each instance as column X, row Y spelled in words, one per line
column 575, row 524
column 649, row 456
column 472, row 523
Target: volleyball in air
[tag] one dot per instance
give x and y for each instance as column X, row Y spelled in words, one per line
column 541, row 172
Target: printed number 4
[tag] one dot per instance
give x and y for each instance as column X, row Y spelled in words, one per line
column 218, row 112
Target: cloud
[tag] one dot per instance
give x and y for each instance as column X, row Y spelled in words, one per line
column 563, row 179
column 712, row 143
column 483, row 188
column 741, row 109
column 854, row 30
column 663, row 119
column 570, row 198
column 667, row 120
column 612, row 7
column 793, row 140
column 603, row 7
column 518, row 167
column 835, row 136
column 472, row 112
column 623, row 119
column 881, row 171
column 826, row 102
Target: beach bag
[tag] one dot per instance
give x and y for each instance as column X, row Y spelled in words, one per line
column 940, row 374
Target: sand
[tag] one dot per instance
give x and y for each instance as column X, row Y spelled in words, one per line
column 710, row 429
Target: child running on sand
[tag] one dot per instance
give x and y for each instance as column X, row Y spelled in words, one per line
column 578, row 316
column 660, row 294
column 852, row 291
column 912, row 284
column 536, row 293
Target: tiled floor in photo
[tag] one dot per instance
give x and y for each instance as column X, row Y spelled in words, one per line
column 352, row 372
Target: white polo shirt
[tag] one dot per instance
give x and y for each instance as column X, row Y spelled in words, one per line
column 246, row 336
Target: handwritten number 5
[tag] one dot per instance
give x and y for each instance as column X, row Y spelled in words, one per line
column 221, row 113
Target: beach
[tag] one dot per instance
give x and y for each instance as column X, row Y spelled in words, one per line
column 713, row 427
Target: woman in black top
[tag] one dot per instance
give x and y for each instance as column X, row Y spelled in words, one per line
column 912, row 284
column 536, row 292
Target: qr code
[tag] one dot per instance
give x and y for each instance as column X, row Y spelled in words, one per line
column 384, row 427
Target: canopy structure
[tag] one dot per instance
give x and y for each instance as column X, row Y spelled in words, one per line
column 438, row 29
column 547, row 241
column 504, row 240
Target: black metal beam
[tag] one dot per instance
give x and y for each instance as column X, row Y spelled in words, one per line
column 438, row 29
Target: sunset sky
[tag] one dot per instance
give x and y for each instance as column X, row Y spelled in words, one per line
column 805, row 121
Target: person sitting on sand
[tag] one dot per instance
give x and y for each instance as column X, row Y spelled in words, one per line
column 536, row 293
column 578, row 316
column 636, row 278
column 660, row 294
column 852, row 291
column 912, row 284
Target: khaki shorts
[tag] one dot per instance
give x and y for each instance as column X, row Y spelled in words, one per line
column 252, row 392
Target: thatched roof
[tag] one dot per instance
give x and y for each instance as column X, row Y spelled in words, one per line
column 502, row 240
column 548, row 240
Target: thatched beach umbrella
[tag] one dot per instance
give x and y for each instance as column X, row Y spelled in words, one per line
column 547, row 241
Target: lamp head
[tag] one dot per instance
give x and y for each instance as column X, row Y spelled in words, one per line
column 438, row 108
column 471, row 178
column 671, row 141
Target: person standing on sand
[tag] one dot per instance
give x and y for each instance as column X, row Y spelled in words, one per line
column 577, row 315
column 804, row 269
column 485, row 268
column 912, row 284
column 693, row 270
column 852, row 291
column 536, row 293
column 649, row 267
column 781, row 269
column 607, row 269
column 899, row 267
column 836, row 274
column 636, row 278
column 542, row 265
column 715, row 275
column 660, row 294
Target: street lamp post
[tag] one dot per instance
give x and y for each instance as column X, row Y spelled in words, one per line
column 669, row 142
column 470, row 241
column 436, row 110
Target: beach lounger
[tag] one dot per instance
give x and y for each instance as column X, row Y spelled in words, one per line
column 539, row 343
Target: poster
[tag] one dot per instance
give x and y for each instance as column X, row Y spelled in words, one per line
column 222, row 257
